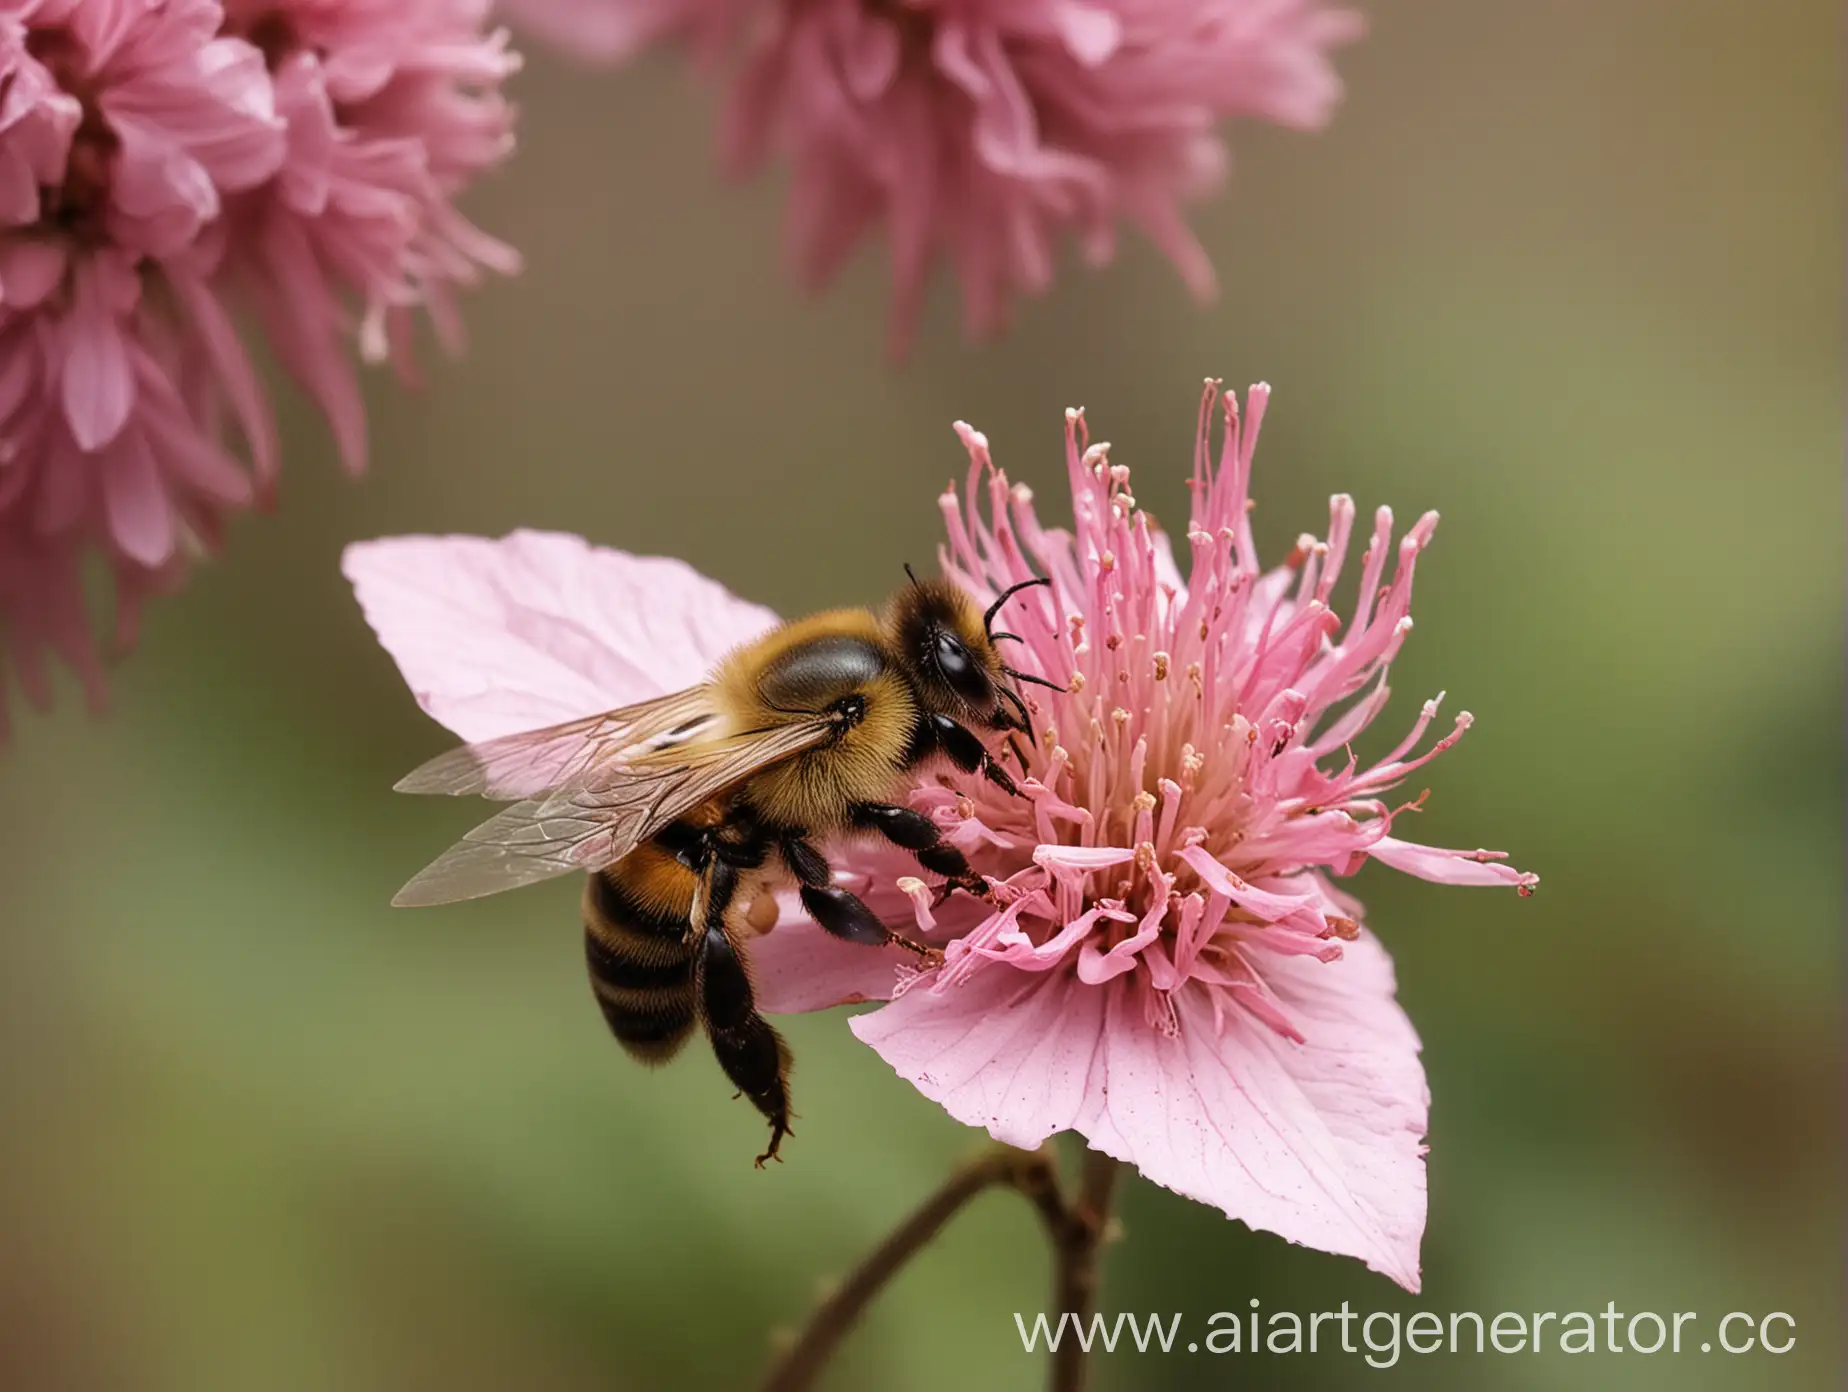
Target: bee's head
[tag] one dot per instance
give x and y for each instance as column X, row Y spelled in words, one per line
column 948, row 649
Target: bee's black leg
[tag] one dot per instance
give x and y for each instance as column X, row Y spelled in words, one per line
column 752, row 1054
column 835, row 909
column 1020, row 755
column 939, row 732
column 915, row 832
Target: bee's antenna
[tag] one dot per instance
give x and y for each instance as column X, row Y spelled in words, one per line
column 913, row 575
column 988, row 618
column 1011, row 637
column 1037, row 681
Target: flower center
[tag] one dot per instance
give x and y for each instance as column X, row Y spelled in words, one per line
column 269, row 29
column 915, row 27
column 76, row 205
column 271, row 32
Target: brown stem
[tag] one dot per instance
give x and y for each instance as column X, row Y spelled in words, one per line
column 1076, row 1243
column 1076, row 1229
column 1029, row 1172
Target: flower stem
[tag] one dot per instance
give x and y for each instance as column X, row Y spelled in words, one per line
column 1027, row 1171
column 1076, row 1229
column 1077, row 1241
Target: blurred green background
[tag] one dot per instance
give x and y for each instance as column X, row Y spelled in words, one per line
column 1568, row 272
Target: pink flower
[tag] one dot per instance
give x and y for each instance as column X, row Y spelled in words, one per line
column 1172, row 971
column 981, row 133
column 1175, row 974
column 146, row 153
column 122, row 127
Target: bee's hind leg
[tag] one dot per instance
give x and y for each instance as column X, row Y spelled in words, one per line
column 750, row 1051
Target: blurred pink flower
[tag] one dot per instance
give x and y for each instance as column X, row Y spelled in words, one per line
column 393, row 106
column 122, row 125
column 141, row 147
column 1173, row 973
column 982, row 132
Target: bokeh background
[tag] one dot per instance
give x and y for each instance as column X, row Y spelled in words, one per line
column 1569, row 272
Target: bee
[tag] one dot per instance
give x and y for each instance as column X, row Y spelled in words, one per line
column 687, row 809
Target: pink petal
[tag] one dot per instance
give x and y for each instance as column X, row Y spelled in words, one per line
column 19, row 191
column 164, row 193
column 1263, row 903
column 67, row 487
column 299, row 305
column 499, row 636
column 596, row 31
column 1090, row 32
column 1015, row 1052
column 798, row 966
column 1317, row 1141
column 29, row 271
column 1449, row 867
column 140, row 517
column 1082, row 857
column 98, row 386
column 246, row 149
column 218, row 337
column 869, row 58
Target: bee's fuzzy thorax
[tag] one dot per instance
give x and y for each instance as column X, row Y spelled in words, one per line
column 801, row 668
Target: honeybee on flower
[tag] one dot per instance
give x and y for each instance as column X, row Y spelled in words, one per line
column 1161, row 959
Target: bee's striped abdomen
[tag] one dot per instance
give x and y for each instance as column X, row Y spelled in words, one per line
column 638, row 952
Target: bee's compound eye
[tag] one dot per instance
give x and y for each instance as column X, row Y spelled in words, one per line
column 960, row 670
column 953, row 659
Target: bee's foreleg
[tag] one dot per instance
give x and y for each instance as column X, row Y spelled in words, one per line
column 939, row 732
column 913, row 831
column 837, row 910
column 1020, row 755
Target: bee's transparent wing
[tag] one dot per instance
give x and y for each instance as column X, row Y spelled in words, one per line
column 535, row 762
column 591, row 823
